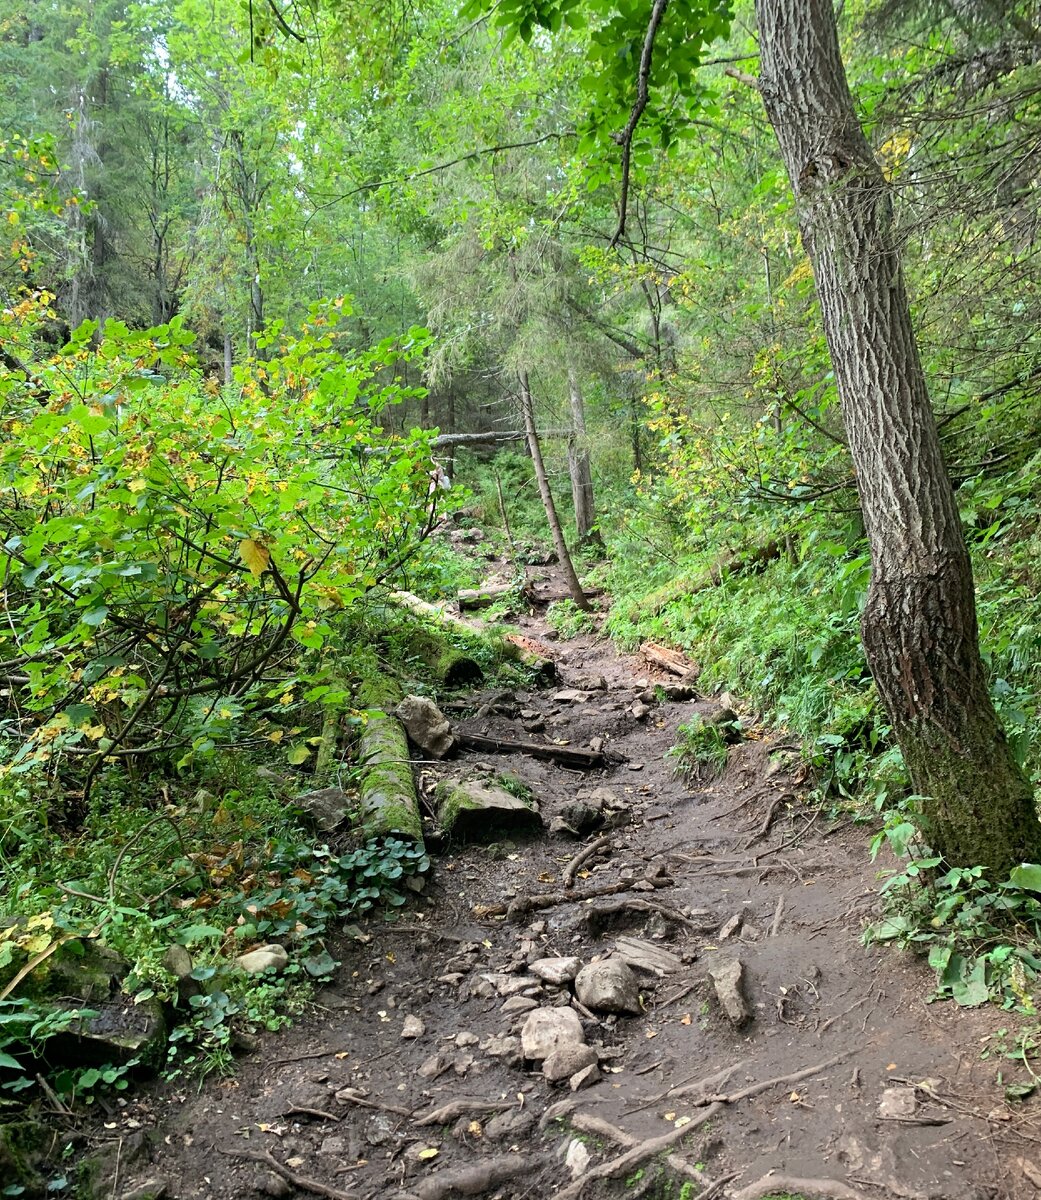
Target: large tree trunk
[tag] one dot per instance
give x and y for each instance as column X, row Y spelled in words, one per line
column 579, row 467
column 535, row 450
column 919, row 626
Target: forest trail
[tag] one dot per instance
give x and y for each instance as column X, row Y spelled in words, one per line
column 843, row 1083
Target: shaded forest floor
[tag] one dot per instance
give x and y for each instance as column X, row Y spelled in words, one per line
column 844, row 1082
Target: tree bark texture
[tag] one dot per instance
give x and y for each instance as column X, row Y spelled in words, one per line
column 552, row 519
column 579, row 466
column 919, row 626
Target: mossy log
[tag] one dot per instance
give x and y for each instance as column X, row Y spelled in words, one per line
column 450, row 665
column 483, row 597
column 388, row 792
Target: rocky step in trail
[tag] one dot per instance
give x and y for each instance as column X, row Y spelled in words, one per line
column 659, row 991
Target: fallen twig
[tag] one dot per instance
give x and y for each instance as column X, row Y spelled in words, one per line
column 311, row 1112
column 582, row 857
column 566, row 756
column 298, row 1181
column 838, row 1017
column 677, row 995
column 775, row 924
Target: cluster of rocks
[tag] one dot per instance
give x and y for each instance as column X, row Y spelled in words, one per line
column 544, row 1006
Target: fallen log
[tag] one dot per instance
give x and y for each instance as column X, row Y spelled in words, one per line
column 530, row 653
column 450, row 665
column 669, row 660
column 389, row 805
column 483, row 597
column 565, row 756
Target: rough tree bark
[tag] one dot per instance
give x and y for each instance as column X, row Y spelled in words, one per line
column 919, row 627
column 579, row 466
column 535, row 450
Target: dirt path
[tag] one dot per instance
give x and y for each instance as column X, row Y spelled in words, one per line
column 843, row 1075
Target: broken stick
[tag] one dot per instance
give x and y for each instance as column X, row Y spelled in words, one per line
column 300, row 1182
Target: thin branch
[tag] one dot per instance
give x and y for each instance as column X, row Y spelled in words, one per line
column 376, row 184
column 281, row 21
column 625, row 138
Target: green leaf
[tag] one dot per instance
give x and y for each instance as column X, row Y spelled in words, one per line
column 12, row 1064
column 298, row 755
column 1027, row 875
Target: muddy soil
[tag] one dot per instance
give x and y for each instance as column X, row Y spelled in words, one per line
column 842, row 1082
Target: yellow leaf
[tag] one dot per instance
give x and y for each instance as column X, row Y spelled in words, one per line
column 685, row 1019
column 474, row 1129
column 428, row 1153
column 137, row 485
column 670, row 1116
column 298, row 755
column 277, row 736
column 256, row 557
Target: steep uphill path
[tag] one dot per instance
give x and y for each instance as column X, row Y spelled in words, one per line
column 836, row 1080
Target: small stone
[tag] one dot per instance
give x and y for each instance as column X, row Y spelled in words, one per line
column 508, row 985
column 432, row 1067
column 585, row 1078
column 548, row 1028
column 426, row 725
column 577, row 1158
column 581, row 817
column 270, row 1184
column 519, row 1004
column 566, row 1061
column 897, row 1102
column 608, row 986
column 640, row 710
column 556, row 970
column 596, row 744
column 466, row 1039
column 333, row 1145
column 177, row 961
column 727, row 978
column 413, row 1027
column 506, row 1047
column 570, row 696
column 679, row 691
column 731, row 927
column 264, row 958
column 324, row 808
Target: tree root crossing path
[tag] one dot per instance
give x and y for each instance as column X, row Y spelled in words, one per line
column 768, row 1053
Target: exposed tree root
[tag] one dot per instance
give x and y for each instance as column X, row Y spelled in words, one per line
column 462, row 1107
column 638, row 1154
column 770, row 1185
column 300, row 1182
column 582, row 857
column 588, row 1123
column 474, row 1181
